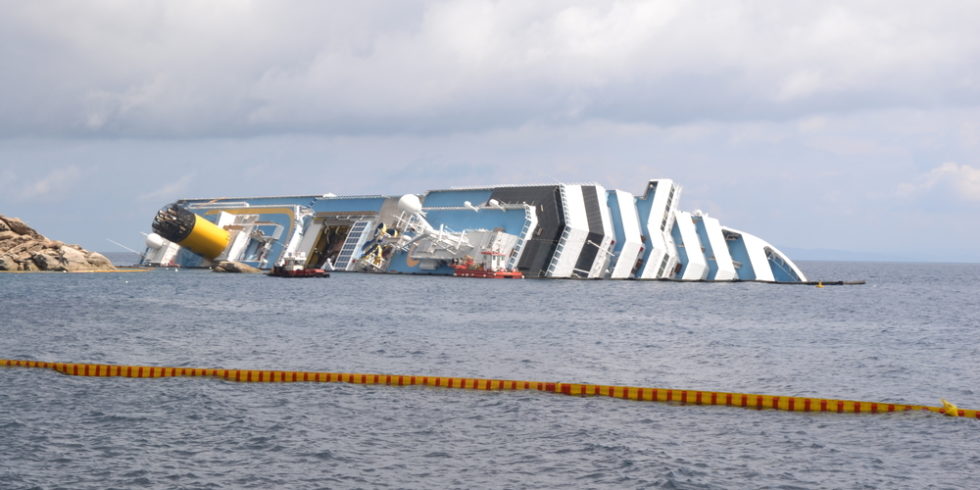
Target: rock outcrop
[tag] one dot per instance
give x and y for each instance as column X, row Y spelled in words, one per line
column 229, row 266
column 22, row 248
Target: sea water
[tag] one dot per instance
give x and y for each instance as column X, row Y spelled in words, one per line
column 910, row 335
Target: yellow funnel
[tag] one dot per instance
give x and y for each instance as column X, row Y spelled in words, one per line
column 177, row 224
column 206, row 239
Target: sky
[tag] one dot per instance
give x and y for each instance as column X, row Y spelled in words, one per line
column 830, row 129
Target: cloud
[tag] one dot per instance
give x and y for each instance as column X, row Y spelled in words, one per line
column 172, row 69
column 962, row 180
column 53, row 185
column 170, row 190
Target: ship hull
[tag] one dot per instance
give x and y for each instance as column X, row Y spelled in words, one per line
column 538, row 231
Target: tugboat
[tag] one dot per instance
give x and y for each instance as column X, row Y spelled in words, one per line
column 294, row 266
column 491, row 268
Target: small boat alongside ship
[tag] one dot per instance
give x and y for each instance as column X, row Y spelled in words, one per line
column 295, row 267
column 491, row 268
column 520, row 231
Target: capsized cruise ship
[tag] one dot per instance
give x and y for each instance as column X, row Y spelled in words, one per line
column 535, row 231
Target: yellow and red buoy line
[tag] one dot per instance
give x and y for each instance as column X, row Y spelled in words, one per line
column 696, row 397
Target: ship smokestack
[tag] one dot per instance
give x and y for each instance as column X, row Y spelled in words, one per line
column 179, row 225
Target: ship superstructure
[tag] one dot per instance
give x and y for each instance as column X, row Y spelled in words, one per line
column 538, row 231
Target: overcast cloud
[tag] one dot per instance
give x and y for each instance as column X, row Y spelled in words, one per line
column 817, row 125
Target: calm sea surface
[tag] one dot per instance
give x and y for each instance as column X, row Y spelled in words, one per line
column 911, row 335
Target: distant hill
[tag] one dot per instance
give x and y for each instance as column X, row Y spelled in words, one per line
column 122, row 259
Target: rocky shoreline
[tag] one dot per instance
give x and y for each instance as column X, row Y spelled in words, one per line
column 238, row 267
column 23, row 249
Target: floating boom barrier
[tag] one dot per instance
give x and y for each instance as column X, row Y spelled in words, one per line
column 696, row 397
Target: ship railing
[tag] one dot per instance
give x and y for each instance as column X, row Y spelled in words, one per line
column 450, row 240
column 530, row 221
column 605, row 251
column 219, row 204
column 443, row 238
column 558, row 252
column 556, row 257
column 345, row 260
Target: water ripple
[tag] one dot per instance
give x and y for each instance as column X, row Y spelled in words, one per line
column 906, row 337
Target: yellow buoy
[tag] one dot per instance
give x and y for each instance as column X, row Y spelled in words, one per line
column 950, row 409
